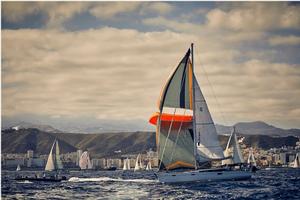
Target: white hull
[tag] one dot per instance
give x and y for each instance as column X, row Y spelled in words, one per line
column 202, row 175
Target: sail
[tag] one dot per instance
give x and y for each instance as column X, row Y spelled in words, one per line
column 148, row 166
column 251, row 159
column 58, row 163
column 174, row 136
column 128, row 164
column 50, row 162
column 177, row 93
column 208, row 145
column 237, row 153
column 137, row 165
column 233, row 150
column 18, row 168
column 296, row 162
column 125, row 165
column 85, row 162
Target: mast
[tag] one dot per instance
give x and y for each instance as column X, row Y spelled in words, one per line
column 194, row 111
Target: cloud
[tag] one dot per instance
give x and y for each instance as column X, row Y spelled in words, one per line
column 284, row 40
column 117, row 74
column 57, row 12
column 111, row 9
column 255, row 16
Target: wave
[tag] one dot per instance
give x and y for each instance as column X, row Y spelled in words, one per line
column 26, row 181
column 105, row 179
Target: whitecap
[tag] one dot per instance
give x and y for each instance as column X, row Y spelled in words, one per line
column 104, row 179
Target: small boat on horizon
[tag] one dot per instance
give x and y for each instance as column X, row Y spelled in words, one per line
column 18, row 168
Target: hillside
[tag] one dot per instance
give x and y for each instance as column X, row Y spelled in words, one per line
column 98, row 144
column 257, row 128
column 106, row 144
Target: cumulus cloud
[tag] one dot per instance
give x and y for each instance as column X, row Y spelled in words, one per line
column 57, row 12
column 284, row 40
column 105, row 73
column 255, row 16
column 111, row 9
column 113, row 73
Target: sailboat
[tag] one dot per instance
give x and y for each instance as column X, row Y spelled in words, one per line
column 251, row 160
column 138, row 166
column 233, row 151
column 186, row 136
column 85, row 161
column 126, row 165
column 54, row 162
column 149, row 167
column 296, row 162
column 18, row 168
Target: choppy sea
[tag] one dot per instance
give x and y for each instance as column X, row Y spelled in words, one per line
column 273, row 184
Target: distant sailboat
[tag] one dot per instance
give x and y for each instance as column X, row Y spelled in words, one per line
column 149, row 167
column 126, row 165
column 54, row 162
column 18, row 168
column 251, row 159
column 188, row 142
column 233, row 150
column 296, row 162
column 85, row 161
column 138, row 163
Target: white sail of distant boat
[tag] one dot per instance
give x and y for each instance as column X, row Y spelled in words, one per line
column 85, row 161
column 149, row 167
column 54, row 162
column 137, row 163
column 184, row 141
column 233, row 150
column 251, row 158
column 18, row 168
column 296, row 162
column 126, row 165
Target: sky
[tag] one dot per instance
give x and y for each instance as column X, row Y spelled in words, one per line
column 96, row 63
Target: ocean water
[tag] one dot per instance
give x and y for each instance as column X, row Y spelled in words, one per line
column 273, row 184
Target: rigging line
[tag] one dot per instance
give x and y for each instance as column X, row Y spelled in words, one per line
column 176, row 138
column 213, row 92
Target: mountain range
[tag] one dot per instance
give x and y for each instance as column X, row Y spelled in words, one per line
column 40, row 139
column 244, row 128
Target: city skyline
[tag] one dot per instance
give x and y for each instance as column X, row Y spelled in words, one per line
column 90, row 62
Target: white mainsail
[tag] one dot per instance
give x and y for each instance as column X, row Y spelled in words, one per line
column 85, row 162
column 233, row 150
column 137, row 163
column 148, row 166
column 296, row 162
column 18, row 168
column 208, row 146
column 251, row 159
column 54, row 162
column 126, row 165
column 50, row 162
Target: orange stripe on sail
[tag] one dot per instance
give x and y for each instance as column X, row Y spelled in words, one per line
column 170, row 117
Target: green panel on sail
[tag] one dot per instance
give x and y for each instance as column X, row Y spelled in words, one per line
column 177, row 93
column 177, row 149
